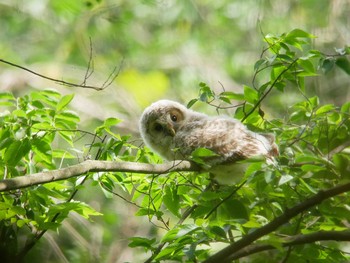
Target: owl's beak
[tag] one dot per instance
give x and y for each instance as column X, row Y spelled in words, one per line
column 171, row 130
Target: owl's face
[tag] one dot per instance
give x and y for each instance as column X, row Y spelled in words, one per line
column 159, row 124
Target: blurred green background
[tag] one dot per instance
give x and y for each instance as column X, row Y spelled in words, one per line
column 165, row 48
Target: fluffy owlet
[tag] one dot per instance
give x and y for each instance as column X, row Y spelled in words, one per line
column 174, row 132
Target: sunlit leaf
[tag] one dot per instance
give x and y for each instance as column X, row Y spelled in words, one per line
column 16, row 151
column 325, row 108
column 284, row 179
column 250, row 94
column 299, row 33
column 64, row 101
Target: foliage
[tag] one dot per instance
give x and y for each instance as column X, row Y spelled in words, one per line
column 193, row 216
column 311, row 137
column 37, row 131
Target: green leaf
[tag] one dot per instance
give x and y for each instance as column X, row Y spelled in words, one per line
column 79, row 207
column 49, row 97
column 345, row 108
column 17, row 210
column 325, row 108
column 172, row 201
column 20, row 223
column 191, row 103
column 43, row 151
column 69, row 118
column 284, row 179
column 308, row 67
column 251, row 95
column 273, row 241
column 344, row 64
column 259, row 63
column 307, row 159
column 170, row 235
column 7, row 96
column 327, row 65
column 206, row 93
column 219, row 231
column 19, row 113
column 109, row 122
column 165, row 253
column 312, row 168
column 187, row 229
column 298, row 33
column 252, row 224
column 141, row 242
column 231, row 96
column 45, row 126
column 226, row 211
column 64, row 101
column 7, row 99
column 314, row 101
column 16, row 151
column 277, row 71
column 203, row 152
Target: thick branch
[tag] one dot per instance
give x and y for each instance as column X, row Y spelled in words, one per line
column 225, row 255
column 94, row 166
column 296, row 240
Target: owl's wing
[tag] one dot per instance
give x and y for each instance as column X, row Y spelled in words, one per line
column 228, row 138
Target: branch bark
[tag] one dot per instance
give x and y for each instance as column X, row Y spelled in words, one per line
column 226, row 254
column 294, row 241
column 94, row 166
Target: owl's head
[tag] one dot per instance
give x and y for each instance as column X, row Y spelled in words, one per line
column 159, row 124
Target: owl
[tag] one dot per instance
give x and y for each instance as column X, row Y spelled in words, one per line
column 175, row 132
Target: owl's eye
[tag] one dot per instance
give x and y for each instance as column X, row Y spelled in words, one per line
column 173, row 117
column 158, row 127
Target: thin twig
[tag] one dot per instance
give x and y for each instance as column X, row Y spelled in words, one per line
column 114, row 74
column 269, row 90
column 224, row 200
column 89, row 72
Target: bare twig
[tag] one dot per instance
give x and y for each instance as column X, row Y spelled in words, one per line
column 114, row 74
column 90, row 68
column 109, row 80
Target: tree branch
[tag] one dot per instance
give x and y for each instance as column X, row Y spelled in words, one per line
column 295, row 240
column 269, row 90
column 94, row 166
column 226, row 254
column 114, row 74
